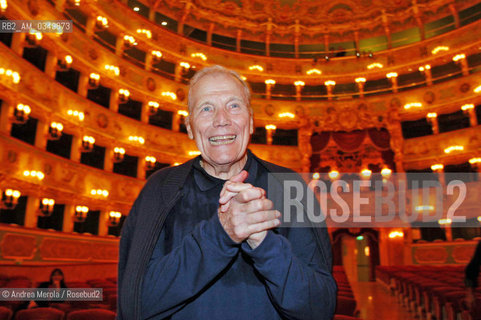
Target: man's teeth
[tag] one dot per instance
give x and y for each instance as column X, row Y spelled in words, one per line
column 222, row 139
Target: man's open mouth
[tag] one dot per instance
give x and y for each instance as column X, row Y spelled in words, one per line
column 218, row 140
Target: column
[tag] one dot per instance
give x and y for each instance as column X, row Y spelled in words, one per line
column 356, row 41
column 41, row 134
column 6, row 113
column 141, row 168
column 144, row 113
column 326, row 44
column 114, row 100
column 104, row 223
column 238, row 40
column 178, row 72
column 305, row 149
column 210, row 30
column 269, row 134
column 17, row 45
column 152, row 14
column 59, row 5
column 119, row 45
column 473, row 119
column 83, row 85
column 419, row 22
column 90, row 26
column 109, row 154
column 75, row 153
column 387, row 30
column 176, row 118
column 432, row 118
column 455, row 14
column 68, row 214
column 51, row 65
column 268, row 44
column 31, row 212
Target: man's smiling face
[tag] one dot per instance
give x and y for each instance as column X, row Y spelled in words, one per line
column 220, row 120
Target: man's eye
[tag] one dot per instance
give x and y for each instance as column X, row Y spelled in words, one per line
column 205, row 109
column 235, row 105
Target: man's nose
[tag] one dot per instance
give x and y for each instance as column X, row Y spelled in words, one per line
column 221, row 118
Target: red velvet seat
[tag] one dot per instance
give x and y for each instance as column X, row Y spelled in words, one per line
column 91, row 314
column 40, row 314
column 345, row 306
column 5, row 313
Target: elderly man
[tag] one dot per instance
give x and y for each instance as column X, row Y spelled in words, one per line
column 204, row 241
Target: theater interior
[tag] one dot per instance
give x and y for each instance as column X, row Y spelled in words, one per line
column 367, row 88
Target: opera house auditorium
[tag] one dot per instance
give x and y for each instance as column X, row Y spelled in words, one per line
column 374, row 91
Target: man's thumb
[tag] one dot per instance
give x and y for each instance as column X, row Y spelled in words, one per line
column 240, row 177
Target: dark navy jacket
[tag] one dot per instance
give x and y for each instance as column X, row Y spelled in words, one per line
column 298, row 287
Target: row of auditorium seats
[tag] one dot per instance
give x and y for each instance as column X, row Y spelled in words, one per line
column 345, row 302
column 431, row 292
column 56, row 314
column 96, row 309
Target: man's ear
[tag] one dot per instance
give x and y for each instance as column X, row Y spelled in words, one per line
column 189, row 129
column 252, row 125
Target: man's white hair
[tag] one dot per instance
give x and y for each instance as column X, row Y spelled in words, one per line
column 217, row 69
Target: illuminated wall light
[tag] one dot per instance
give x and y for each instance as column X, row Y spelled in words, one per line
column 39, row 175
column 183, row 113
column 445, row 221
column 439, row 49
column 153, row 107
column 413, row 105
column 21, row 113
column 119, row 154
column 175, row 164
column 316, row 176
column 81, row 213
column 432, row 115
column 270, row 82
column 479, row 218
column 146, row 32
column 475, row 160
column 114, row 218
column 453, row 148
column 10, row 199
column 333, row 174
column 55, row 131
column 467, row 107
column 287, row 115
column 396, row 234
column 200, row 55
column 424, row 208
column 76, row 114
column 423, row 68
column 3, row 5
column 113, row 69
column 310, row 72
column 164, row 23
column 46, row 206
column 270, row 127
column 459, row 57
column 256, row 67
column 386, row 172
column 299, row 83
column 367, row 251
column 329, row 83
column 87, row 143
column 193, row 153
column 184, row 65
column 366, row 173
column 477, row 89
column 101, row 22
column 124, row 95
column 150, row 162
column 391, row 75
column 15, row 76
column 437, row 167
column 99, row 192
column 375, row 65
column 169, row 94
column 129, row 41
column 94, row 80
column 33, row 37
column 360, row 80
column 137, row 139
column 136, row 9
column 156, row 55
column 243, row 78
